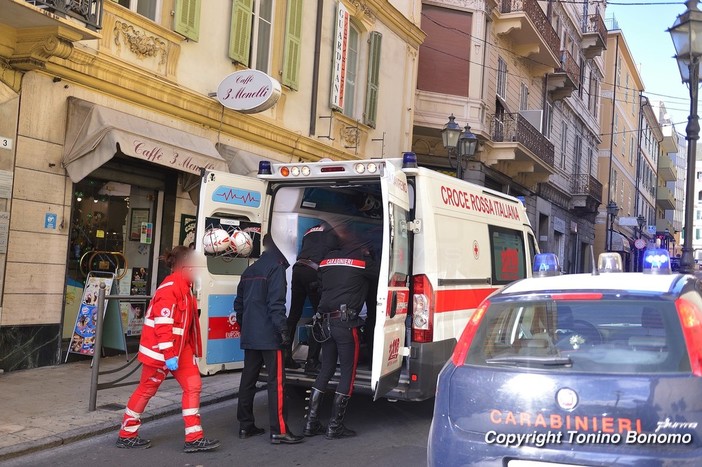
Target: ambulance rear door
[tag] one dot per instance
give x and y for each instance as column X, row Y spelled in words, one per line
column 389, row 344
column 231, row 202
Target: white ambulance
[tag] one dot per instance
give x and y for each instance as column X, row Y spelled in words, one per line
column 444, row 246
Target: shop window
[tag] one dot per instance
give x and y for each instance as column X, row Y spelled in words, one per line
column 149, row 8
column 251, row 32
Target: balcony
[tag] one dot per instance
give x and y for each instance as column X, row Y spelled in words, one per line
column 667, row 171
column 31, row 32
column 518, row 150
column 531, row 33
column 664, row 198
column 664, row 224
column 566, row 79
column 594, row 36
column 587, row 194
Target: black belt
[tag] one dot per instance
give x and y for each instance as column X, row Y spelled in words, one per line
column 308, row 263
column 332, row 315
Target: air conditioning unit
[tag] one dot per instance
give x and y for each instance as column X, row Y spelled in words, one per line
column 535, row 117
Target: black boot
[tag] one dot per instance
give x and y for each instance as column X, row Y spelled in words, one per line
column 336, row 423
column 313, row 427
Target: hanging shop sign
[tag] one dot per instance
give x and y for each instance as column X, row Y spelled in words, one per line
column 248, row 91
column 341, row 38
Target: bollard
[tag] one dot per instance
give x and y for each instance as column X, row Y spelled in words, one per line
column 97, row 349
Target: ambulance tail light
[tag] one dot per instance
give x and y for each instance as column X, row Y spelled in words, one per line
column 422, row 310
column 461, row 351
column 691, row 322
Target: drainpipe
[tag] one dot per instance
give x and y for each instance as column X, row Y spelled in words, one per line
column 611, row 140
column 315, row 67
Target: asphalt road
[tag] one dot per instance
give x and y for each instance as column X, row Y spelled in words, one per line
column 389, row 433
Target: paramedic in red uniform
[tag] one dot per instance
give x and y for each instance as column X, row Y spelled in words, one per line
column 305, row 284
column 346, row 275
column 170, row 341
column 260, row 311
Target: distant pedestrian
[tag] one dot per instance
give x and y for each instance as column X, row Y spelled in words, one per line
column 170, row 341
column 260, row 311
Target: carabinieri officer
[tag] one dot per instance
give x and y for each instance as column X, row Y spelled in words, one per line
column 346, row 275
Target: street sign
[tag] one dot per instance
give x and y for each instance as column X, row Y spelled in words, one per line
column 640, row 243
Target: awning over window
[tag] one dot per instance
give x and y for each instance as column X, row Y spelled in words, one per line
column 620, row 243
column 96, row 134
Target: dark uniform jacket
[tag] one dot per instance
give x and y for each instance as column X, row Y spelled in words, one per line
column 316, row 242
column 260, row 302
column 346, row 276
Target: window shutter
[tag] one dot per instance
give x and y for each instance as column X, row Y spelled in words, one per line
column 240, row 34
column 373, row 83
column 187, row 18
column 293, row 45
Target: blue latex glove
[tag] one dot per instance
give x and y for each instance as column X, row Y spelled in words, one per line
column 172, row 363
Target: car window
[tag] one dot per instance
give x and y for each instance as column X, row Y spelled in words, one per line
column 602, row 336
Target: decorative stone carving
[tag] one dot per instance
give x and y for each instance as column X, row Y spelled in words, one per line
column 363, row 11
column 140, row 44
column 350, row 136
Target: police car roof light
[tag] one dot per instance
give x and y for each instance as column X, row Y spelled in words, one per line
column 610, row 262
column 409, row 160
column 656, row 261
column 264, row 168
column 546, row 264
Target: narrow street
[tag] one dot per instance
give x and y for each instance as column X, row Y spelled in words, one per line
column 389, row 433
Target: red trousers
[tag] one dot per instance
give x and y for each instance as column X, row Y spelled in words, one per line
column 187, row 375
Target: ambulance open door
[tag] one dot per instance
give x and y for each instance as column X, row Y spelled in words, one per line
column 393, row 287
column 232, row 203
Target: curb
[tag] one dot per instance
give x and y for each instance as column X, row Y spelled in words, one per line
column 80, row 434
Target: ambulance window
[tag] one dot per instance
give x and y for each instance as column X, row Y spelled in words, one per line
column 230, row 263
column 399, row 246
column 508, row 258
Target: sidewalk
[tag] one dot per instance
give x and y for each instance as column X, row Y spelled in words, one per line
column 45, row 407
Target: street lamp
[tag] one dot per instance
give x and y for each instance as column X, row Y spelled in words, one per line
column 612, row 211
column 687, row 40
column 464, row 143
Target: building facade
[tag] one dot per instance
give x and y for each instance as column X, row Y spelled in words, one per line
column 107, row 117
column 669, row 192
column 526, row 77
column 620, row 154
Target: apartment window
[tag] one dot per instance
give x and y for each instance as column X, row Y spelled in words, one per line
column 148, row 8
column 186, row 18
column 698, row 234
column 548, row 120
column 564, row 143
column 351, row 71
column 501, row 78
column 699, row 175
column 618, row 73
column 578, row 152
column 632, row 145
column 524, row 97
column 699, row 197
column 250, row 38
column 581, row 88
column 615, row 133
column 614, row 183
column 698, row 214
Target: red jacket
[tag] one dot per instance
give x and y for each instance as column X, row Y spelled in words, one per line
column 171, row 322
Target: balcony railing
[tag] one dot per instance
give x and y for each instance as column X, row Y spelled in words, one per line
column 515, row 128
column 537, row 16
column 570, row 67
column 87, row 11
column 595, row 24
column 586, row 184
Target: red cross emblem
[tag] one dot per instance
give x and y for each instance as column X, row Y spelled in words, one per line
column 476, row 249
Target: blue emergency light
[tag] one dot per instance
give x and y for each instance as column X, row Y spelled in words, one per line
column 409, row 160
column 656, row 261
column 546, row 264
column 264, row 168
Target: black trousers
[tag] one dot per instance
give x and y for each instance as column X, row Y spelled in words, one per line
column 277, row 410
column 304, row 285
column 344, row 345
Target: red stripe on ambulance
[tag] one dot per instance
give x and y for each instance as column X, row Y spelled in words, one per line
column 460, row 299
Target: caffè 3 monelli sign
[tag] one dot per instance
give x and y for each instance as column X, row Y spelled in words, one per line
column 248, row 91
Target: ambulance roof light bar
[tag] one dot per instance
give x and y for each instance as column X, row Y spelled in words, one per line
column 610, row 262
column 321, row 168
column 656, row 261
column 546, row 265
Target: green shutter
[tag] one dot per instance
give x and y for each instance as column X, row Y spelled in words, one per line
column 187, row 18
column 240, row 34
column 293, row 47
column 373, row 82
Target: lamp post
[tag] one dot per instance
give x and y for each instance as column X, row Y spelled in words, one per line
column 687, row 40
column 612, row 211
column 463, row 143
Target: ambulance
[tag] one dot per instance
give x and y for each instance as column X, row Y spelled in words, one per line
column 443, row 246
